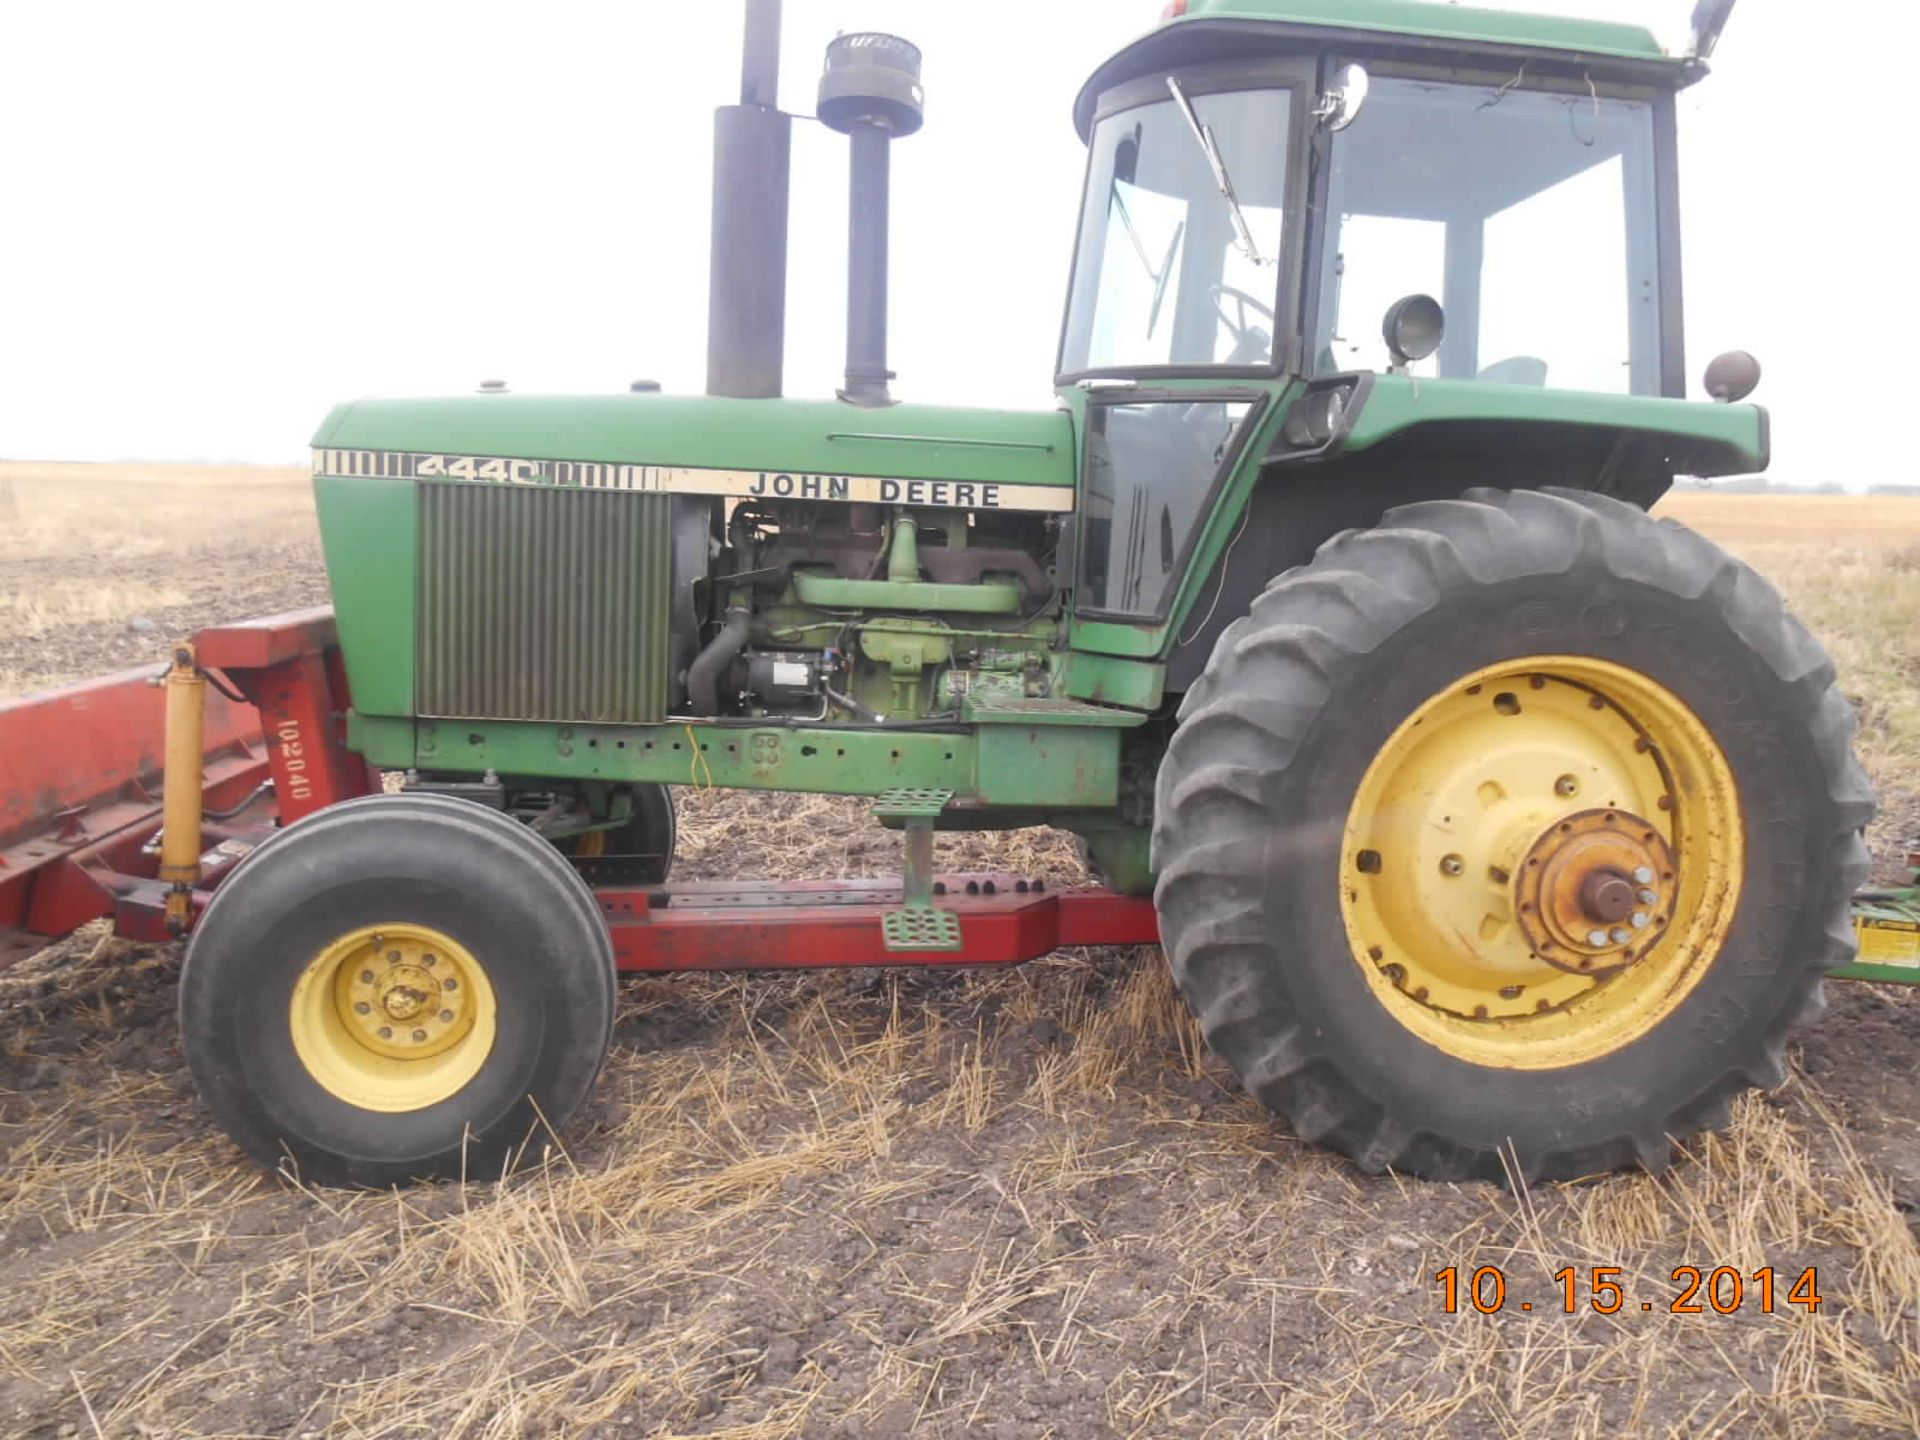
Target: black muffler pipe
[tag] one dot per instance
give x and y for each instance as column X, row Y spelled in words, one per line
column 747, row 282
column 870, row 93
column 703, row 676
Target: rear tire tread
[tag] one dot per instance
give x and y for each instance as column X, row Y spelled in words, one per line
column 1279, row 663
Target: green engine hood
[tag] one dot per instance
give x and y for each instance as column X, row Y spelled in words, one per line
column 819, row 437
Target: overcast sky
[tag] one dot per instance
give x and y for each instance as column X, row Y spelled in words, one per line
column 222, row 216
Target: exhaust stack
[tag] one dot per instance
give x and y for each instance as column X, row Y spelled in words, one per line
column 870, row 92
column 747, row 285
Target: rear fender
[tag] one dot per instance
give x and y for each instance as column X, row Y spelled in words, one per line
column 1430, row 440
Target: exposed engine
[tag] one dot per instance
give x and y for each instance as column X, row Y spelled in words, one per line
column 819, row 611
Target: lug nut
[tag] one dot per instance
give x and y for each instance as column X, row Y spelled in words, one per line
column 1566, row 785
column 1453, row 865
column 1643, row 875
column 1647, row 897
column 1596, row 937
column 446, row 1017
column 449, row 984
column 362, row 1008
column 386, row 1032
column 366, row 977
column 1621, row 935
column 418, row 1036
column 1641, row 919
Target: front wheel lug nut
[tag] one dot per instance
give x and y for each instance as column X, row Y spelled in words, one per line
column 1647, row 897
column 1643, row 875
column 1596, row 937
column 1641, row 920
column 1621, row 935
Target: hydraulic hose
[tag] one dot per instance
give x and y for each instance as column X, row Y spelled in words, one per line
column 703, row 676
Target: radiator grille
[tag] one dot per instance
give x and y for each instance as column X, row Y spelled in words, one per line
column 543, row 604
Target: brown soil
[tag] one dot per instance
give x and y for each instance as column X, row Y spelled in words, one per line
column 281, row 577
column 1011, row 1204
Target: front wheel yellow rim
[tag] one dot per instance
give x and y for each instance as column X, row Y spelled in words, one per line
column 393, row 1017
column 1542, row 862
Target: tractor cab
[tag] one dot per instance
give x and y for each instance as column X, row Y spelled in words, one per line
column 1367, row 238
column 1268, row 179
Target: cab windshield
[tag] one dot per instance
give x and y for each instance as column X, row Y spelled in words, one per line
column 1165, row 276
column 1530, row 217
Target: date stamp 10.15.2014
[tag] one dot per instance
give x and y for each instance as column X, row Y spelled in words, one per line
column 1690, row 1290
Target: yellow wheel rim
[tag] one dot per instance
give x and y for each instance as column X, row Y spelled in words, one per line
column 1542, row 862
column 393, row 1017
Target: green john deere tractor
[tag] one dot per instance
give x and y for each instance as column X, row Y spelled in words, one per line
column 1492, row 826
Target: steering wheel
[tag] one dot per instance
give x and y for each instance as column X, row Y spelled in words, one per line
column 1250, row 342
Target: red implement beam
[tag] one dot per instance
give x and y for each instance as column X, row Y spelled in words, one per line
column 1004, row 920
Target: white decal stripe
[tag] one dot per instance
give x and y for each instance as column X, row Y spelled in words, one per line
column 687, row 480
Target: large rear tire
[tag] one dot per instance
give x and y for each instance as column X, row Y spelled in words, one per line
column 398, row 988
column 1507, row 839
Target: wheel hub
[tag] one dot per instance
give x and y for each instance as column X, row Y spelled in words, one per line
column 1594, row 893
column 393, row 1017
column 1541, row 861
column 400, row 997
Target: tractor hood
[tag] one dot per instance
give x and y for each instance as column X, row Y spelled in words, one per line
column 706, row 444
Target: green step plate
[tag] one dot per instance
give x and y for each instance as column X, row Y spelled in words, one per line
column 911, row 804
column 921, row 928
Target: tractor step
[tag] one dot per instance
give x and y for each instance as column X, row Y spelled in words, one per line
column 992, row 709
column 918, row 925
column 921, row 928
column 911, row 804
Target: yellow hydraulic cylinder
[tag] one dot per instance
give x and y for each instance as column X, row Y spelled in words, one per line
column 186, row 692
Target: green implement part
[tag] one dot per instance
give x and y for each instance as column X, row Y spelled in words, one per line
column 1887, row 924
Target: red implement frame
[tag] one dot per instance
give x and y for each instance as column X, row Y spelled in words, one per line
column 80, row 777
column 80, row 813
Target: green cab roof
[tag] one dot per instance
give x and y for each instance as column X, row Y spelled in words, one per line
column 1220, row 30
column 1468, row 24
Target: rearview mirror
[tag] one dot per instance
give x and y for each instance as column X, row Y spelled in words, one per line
column 1732, row 377
column 1340, row 107
column 1413, row 330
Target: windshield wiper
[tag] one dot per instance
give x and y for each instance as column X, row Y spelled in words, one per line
column 1160, row 276
column 1243, row 235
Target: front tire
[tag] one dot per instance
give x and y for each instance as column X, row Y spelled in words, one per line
column 1507, row 840
column 401, row 987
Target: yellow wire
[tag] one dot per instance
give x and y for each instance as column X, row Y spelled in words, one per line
column 699, row 762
